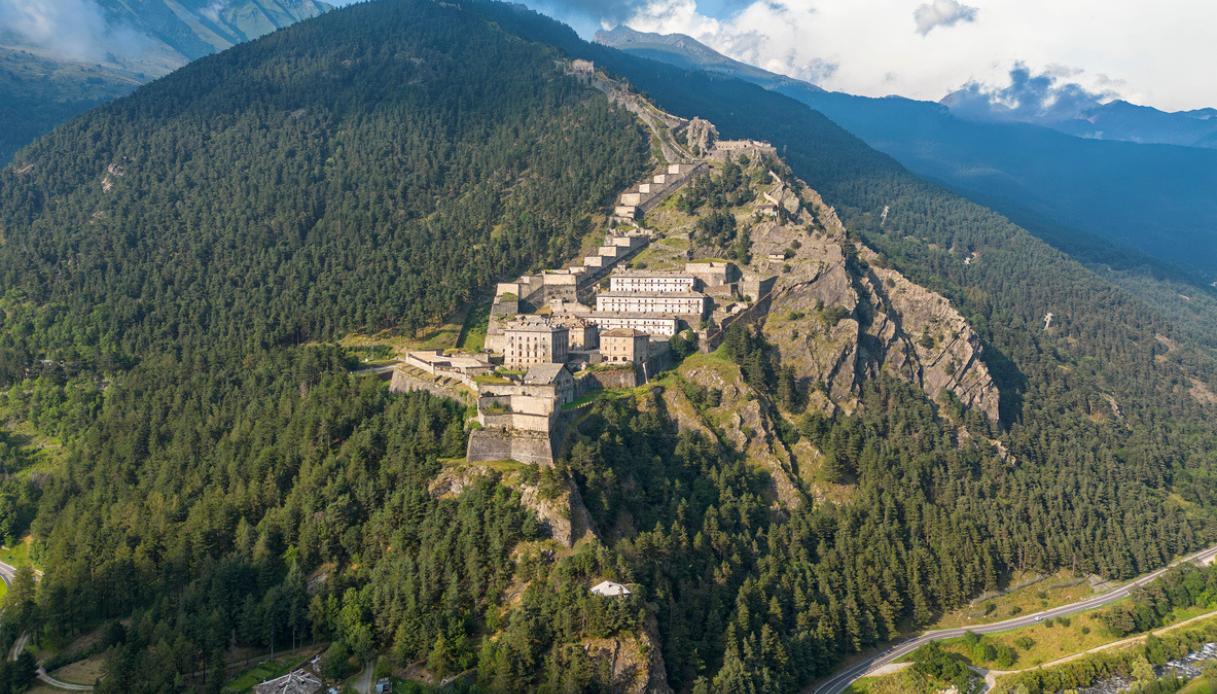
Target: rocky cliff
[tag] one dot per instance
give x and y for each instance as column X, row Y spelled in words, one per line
column 708, row 395
column 635, row 660
column 562, row 513
column 839, row 316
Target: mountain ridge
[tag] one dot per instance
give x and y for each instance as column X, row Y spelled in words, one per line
column 44, row 82
column 1117, row 120
column 1148, row 199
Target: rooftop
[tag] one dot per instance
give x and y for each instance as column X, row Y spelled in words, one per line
column 674, row 274
column 604, row 315
column 570, row 320
column 534, row 326
column 543, row 374
column 610, row 589
column 623, row 332
column 654, row 295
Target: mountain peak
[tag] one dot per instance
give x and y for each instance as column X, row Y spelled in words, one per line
column 688, row 53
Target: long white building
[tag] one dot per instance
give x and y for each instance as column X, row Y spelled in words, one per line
column 656, row 326
column 667, row 303
column 651, row 281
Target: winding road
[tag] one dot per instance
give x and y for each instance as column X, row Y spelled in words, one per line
column 7, row 573
column 839, row 682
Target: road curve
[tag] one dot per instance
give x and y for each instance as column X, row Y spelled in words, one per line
column 7, row 573
column 839, row 682
column 60, row 684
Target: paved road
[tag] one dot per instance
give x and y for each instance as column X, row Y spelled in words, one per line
column 7, row 573
column 364, row 684
column 843, row 679
column 59, row 684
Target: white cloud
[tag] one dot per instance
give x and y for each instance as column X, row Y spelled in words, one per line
column 1029, row 97
column 942, row 13
column 68, row 29
column 1153, row 56
column 213, row 10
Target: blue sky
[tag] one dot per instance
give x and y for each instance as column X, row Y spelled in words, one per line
column 1154, row 53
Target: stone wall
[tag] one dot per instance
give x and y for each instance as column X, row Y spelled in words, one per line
column 501, row 444
column 623, row 376
column 751, row 315
column 405, row 379
column 671, row 184
column 516, row 421
column 605, row 379
column 505, row 307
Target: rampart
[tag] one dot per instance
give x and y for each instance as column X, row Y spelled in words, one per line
column 509, row 444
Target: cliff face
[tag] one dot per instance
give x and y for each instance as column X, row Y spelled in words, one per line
column 839, row 317
column 635, row 661
column 730, row 413
column 563, row 515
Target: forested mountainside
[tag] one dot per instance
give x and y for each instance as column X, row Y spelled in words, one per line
column 283, row 192
column 1151, row 199
column 170, row 261
column 37, row 93
column 47, row 79
column 374, row 168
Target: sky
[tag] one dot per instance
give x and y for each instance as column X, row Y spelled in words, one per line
column 1021, row 57
column 1157, row 53
column 70, row 29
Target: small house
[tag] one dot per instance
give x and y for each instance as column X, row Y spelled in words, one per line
column 609, row 589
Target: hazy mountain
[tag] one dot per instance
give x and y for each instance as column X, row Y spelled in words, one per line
column 36, row 93
column 1089, row 117
column 194, row 28
column 686, row 52
column 1153, row 199
column 61, row 59
column 1121, row 120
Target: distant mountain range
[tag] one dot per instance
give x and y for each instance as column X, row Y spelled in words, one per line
column 56, row 63
column 688, row 53
column 1096, row 198
column 1113, row 120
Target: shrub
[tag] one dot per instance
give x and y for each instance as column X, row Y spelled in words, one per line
column 336, row 662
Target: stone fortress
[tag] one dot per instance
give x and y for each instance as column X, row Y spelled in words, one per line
column 564, row 333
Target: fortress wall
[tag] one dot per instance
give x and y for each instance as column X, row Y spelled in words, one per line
column 673, row 184
column 751, row 315
column 403, row 381
column 499, row 444
column 593, row 381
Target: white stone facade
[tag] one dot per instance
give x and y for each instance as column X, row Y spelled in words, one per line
column 658, row 326
column 529, row 343
column 667, row 303
column 624, row 345
column 649, row 281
